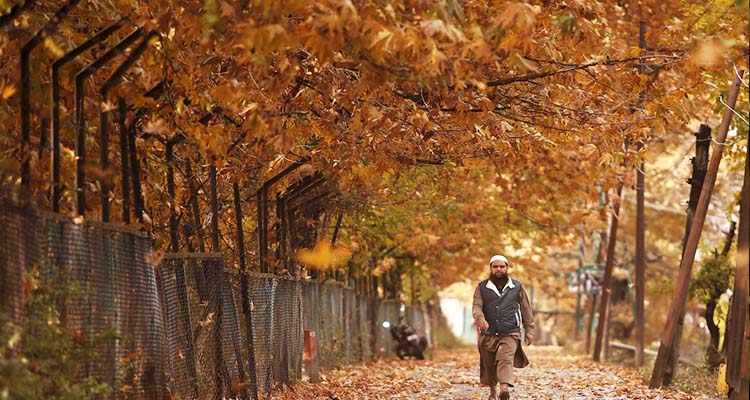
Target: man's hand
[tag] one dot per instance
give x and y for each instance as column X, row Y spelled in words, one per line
column 484, row 325
column 529, row 339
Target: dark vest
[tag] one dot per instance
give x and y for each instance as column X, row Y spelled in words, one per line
column 503, row 312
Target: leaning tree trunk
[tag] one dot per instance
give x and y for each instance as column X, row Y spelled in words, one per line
column 672, row 325
column 700, row 167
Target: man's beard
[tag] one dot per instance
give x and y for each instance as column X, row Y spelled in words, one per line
column 499, row 281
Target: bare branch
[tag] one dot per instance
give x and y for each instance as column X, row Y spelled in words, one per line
column 574, row 67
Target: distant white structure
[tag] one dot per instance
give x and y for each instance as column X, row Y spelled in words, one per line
column 458, row 315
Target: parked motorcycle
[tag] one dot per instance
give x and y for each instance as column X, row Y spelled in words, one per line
column 408, row 343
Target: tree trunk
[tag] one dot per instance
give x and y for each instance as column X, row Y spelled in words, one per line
column 590, row 324
column 700, row 166
column 713, row 356
column 728, row 320
column 672, row 325
column 727, row 324
column 606, row 285
column 738, row 374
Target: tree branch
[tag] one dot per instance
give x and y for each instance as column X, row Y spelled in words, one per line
column 571, row 68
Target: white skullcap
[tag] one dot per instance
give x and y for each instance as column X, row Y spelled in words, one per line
column 498, row 257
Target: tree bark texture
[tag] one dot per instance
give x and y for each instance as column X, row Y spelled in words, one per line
column 607, row 284
column 688, row 257
column 738, row 374
column 700, row 167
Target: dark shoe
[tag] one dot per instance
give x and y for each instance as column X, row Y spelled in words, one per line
column 504, row 395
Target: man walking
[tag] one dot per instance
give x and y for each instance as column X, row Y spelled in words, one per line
column 501, row 307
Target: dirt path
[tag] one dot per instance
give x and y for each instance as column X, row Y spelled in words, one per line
column 454, row 374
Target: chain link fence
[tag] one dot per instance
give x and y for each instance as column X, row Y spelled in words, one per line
column 105, row 293
column 183, row 325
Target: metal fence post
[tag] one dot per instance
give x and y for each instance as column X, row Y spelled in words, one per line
column 80, row 114
column 35, row 41
column 104, row 118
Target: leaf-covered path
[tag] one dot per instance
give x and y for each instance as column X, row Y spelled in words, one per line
column 454, row 374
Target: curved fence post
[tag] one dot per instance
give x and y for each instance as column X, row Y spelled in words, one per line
column 26, row 96
column 56, row 190
column 80, row 122
column 104, row 114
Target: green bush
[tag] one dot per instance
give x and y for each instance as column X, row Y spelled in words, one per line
column 42, row 358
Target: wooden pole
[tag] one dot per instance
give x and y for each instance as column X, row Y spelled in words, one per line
column 609, row 266
column 700, row 167
column 688, row 256
column 738, row 345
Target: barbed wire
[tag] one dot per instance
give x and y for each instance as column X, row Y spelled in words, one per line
column 721, row 100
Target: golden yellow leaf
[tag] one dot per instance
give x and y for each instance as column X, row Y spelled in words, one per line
column 53, row 48
column 324, row 255
column 9, row 91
